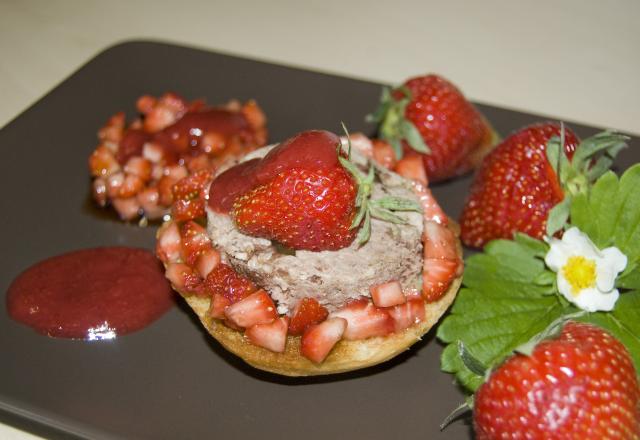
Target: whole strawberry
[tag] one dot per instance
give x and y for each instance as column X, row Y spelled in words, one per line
column 581, row 385
column 515, row 187
column 430, row 115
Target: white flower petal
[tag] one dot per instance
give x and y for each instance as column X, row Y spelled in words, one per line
column 564, row 287
column 617, row 258
column 593, row 300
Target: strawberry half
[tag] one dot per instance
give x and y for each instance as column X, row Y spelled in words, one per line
column 517, row 186
column 431, row 116
column 580, row 385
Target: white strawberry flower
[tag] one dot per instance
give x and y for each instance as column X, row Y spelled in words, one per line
column 586, row 274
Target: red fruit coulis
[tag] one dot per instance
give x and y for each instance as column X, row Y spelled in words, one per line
column 91, row 294
column 314, row 149
column 186, row 132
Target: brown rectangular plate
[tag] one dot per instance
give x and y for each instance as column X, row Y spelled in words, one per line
column 172, row 380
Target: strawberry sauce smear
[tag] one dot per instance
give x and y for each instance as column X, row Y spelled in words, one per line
column 91, row 294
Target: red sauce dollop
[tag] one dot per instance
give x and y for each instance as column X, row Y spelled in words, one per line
column 91, row 294
column 312, row 149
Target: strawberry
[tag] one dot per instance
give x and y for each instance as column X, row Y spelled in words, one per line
column 364, row 320
column 218, row 305
column 579, row 385
column 441, row 263
column 431, row 116
column 207, row 260
column 387, row 294
column 272, row 335
column 257, row 308
column 302, row 209
column 189, row 195
column 184, row 278
column 303, row 194
column 225, row 281
column 318, row 340
column 308, row 311
column 407, row 314
column 517, row 186
column 194, row 241
column 168, row 246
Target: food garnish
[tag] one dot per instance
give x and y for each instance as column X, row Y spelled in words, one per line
column 519, row 293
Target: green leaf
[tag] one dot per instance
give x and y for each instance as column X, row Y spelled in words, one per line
column 558, row 216
column 410, row 133
column 500, row 307
column 397, row 204
column 365, row 230
column 385, row 215
column 538, row 248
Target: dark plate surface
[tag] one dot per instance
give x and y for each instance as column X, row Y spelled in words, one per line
column 171, row 380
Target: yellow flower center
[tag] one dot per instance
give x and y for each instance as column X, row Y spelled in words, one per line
column 580, row 272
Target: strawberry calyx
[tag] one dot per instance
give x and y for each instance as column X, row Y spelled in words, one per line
column 383, row 208
column 394, row 127
column 592, row 158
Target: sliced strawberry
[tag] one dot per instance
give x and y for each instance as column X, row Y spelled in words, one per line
column 168, row 246
column 257, row 308
column 364, row 320
column 437, row 276
column 387, row 294
column 272, row 336
column 412, row 167
column 318, row 340
column 228, row 283
column 308, row 311
column 183, row 278
column 407, row 314
column 194, row 240
column 218, row 305
column 207, row 261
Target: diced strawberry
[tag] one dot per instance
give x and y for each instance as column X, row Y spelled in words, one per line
column 194, row 240
column 207, row 261
column 127, row 209
column 112, row 130
column 364, row 320
column 411, row 167
column 228, row 283
column 131, row 185
column 387, row 294
column 189, row 195
column 102, row 162
column 168, row 246
column 218, row 305
column 139, row 166
column 407, row 314
column 272, row 335
column 383, row 154
column 439, row 242
column 437, row 276
column 164, row 190
column 318, row 340
column 184, row 278
column 257, row 308
column 308, row 311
